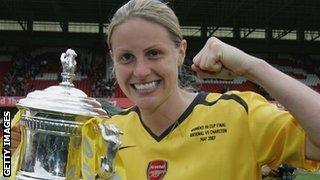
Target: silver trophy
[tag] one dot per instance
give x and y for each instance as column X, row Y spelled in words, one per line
column 52, row 123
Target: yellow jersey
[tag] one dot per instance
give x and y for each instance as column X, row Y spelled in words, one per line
column 219, row 136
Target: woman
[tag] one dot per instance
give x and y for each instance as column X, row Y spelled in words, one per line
column 174, row 134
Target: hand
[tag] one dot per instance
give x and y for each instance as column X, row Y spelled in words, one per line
column 94, row 106
column 267, row 171
column 220, row 60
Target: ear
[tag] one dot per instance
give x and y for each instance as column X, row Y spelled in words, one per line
column 182, row 52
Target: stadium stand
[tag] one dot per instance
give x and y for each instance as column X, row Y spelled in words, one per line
column 46, row 72
column 4, row 67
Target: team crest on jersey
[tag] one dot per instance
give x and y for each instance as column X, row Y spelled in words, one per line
column 157, row 169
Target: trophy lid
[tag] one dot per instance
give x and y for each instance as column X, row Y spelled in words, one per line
column 64, row 98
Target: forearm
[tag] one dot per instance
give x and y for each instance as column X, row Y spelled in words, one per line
column 301, row 101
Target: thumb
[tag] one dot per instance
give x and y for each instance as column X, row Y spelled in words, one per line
column 224, row 73
column 201, row 73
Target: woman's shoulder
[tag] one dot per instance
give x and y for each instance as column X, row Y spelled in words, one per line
column 245, row 95
column 126, row 114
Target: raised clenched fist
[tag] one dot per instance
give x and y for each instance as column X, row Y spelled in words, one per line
column 220, row 60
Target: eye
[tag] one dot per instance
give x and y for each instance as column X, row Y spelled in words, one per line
column 153, row 54
column 126, row 58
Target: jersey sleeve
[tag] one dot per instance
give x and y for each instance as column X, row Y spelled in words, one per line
column 276, row 136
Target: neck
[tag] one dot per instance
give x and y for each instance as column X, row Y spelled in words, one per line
column 159, row 119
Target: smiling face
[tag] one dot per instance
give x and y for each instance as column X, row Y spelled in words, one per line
column 146, row 62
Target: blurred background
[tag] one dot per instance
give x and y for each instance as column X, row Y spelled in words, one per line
column 34, row 33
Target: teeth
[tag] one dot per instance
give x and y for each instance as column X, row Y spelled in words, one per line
column 145, row 86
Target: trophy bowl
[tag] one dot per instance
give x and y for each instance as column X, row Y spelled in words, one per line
column 52, row 122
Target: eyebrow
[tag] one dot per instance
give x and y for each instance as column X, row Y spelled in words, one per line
column 151, row 47
column 122, row 50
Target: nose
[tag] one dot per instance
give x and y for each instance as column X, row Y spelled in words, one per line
column 141, row 68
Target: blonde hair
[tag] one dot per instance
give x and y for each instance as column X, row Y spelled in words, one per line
column 150, row 10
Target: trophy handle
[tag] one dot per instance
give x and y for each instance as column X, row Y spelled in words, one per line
column 110, row 135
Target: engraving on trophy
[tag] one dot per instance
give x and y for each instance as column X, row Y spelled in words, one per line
column 68, row 61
